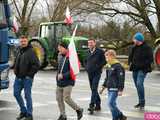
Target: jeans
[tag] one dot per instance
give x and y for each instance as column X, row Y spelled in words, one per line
column 94, row 82
column 139, row 77
column 112, row 96
column 19, row 85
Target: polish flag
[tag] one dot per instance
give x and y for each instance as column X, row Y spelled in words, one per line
column 68, row 18
column 15, row 25
column 73, row 57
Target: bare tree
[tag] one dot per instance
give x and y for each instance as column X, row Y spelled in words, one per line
column 24, row 10
column 138, row 10
column 56, row 8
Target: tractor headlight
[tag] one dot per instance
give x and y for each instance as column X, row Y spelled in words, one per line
column 4, row 74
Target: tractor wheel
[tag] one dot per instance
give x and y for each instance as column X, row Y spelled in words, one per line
column 157, row 56
column 40, row 52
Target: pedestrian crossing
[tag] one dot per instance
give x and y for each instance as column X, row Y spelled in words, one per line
column 103, row 115
column 44, row 100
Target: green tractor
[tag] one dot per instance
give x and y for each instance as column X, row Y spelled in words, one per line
column 49, row 35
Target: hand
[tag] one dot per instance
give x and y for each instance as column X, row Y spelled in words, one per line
column 60, row 76
column 119, row 93
column 101, row 90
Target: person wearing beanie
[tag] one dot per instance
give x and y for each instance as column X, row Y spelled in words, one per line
column 140, row 60
column 65, row 83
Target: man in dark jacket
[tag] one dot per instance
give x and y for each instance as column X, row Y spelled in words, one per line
column 140, row 60
column 25, row 67
column 94, row 64
column 65, row 83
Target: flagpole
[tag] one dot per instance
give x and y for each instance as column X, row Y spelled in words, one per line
column 63, row 65
column 73, row 35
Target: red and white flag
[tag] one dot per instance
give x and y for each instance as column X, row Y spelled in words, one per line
column 15, row 25
column 68, row 18
column 73, row 57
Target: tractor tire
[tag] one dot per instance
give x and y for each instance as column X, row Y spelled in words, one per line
column 157, row 56
column 40, row 51
column 12, row 56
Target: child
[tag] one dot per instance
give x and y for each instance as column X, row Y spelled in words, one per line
column 65, row 84
column 114, row 82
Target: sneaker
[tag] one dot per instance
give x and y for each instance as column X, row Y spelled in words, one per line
column 21, row 116
column 137, row 106
column 62, row 117
column 29, row 118
column 140, row 106
column 79, row 114
column 97, row 108
column 123, row 117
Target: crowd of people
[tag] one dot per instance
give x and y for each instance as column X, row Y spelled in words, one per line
column 27, row 65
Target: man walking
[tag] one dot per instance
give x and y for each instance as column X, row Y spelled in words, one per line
column 25, row 67
column 65, row 83
column 94, row 64
column 140, row 60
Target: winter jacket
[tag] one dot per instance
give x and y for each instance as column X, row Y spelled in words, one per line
column 67, row 80
column 95, row 61
column 115, row 77
column 141, row 58
column 26, row 63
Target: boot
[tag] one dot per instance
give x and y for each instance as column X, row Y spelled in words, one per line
column 29, row 118
column 62, row 117
column 21, row 116
column 122, row 117
column 91, row 109
column 79, row 113
column 98, row 108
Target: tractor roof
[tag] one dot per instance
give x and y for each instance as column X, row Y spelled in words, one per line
column 75, row 38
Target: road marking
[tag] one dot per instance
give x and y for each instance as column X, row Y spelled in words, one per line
column 90, row 117
column 7, row 108
column 152, row 109
column 134, row 114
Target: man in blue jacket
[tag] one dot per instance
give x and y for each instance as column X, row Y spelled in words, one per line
column 94, row 64
column 65, row 83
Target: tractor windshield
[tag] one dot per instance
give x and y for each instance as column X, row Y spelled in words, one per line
column 54, row 31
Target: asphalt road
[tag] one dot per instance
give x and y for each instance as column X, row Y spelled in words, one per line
column 45, row 106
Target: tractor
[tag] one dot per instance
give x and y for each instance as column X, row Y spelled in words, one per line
column 49, row 35
column 157, row 53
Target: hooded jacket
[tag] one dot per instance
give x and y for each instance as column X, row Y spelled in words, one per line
column 115, row 76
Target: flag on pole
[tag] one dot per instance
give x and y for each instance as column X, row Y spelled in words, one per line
column 15, row 25
column 73, row 57
column 68, row 18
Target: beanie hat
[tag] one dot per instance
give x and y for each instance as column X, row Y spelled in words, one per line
column 64, row 44
column 139, row 37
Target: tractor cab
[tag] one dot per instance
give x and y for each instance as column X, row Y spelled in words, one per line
column 54, row 32
column 49, row 35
